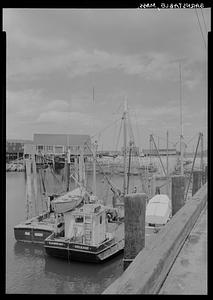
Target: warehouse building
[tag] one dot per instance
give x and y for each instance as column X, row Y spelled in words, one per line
column 58, row 144
column 15, row 148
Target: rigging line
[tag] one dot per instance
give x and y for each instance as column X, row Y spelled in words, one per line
column 151, row 132
column 115, row 134
column 117, row 110
column 54, row 175
column 103, row 129
column 200, row 28
column 162, row 138
column 195, row 135
column 103, row 171
column 181, row 113
column 131, row 134
column 119, row 134
column 204, row 20
column 137, row 128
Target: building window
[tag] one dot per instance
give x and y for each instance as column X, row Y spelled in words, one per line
column 40, row 147
column 79, row 219
column 100, row 219
column 58, row 149
column 49, row 148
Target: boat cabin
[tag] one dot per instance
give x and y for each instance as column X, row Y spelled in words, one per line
column 86, row 224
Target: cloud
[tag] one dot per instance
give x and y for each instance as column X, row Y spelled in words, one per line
column 58, row 105
column 55, row 57
column 71, row 119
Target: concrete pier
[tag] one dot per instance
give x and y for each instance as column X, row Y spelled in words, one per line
column 188, row 275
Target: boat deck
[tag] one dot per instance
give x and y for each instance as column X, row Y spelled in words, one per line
column 46, row 223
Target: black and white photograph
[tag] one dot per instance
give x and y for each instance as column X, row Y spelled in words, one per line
column 106, row 137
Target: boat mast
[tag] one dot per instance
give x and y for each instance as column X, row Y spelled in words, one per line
column 201, row 151
column 167, row 153
column 94, row 167
column 181, row 126
column 129, row 166
column 67, row 164
column 81, row 166
column 125, row 147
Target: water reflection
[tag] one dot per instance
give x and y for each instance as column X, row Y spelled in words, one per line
column 31, row 250
column 70, row 277
column 84, row 277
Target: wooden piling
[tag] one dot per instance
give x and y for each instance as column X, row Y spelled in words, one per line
column 178, row 192
column 76, row 167
column 157, row 190
column 35, row 185
column 28, row 163
column 205, row 175
column 134, row 224
column 196, row 181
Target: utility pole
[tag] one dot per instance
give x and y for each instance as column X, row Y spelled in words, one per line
column 158, row 155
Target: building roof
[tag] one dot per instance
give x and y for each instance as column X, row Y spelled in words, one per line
column 60, row 139
column 19, row 141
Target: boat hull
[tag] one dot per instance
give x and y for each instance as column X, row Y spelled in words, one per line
column 37, row 229
column 32, row 235
column 84, row 253
column 66, row 206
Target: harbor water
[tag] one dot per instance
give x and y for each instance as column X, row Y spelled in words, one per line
column 28, row 268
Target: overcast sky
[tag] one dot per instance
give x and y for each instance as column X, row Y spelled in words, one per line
column 56, row 56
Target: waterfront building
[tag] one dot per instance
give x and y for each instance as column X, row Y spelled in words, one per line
column 58, row 144
column 15, row 148
column 161, row 151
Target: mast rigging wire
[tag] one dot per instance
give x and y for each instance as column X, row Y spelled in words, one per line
column 200, row 28
column 204, row 20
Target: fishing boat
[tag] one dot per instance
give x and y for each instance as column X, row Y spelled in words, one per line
column 38, row 228
column 89, row 235
column 92, row 232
